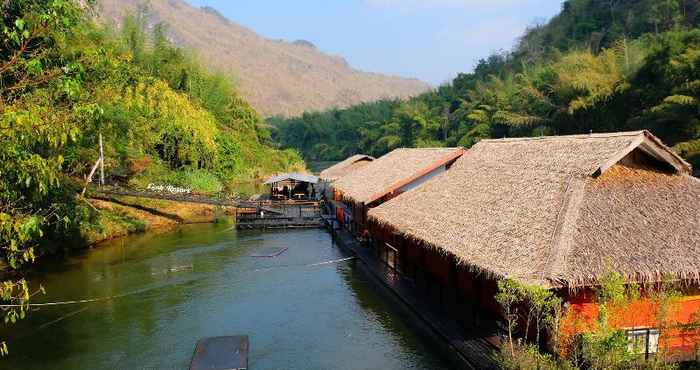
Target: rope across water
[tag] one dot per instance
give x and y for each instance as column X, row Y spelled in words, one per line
column 141, row 291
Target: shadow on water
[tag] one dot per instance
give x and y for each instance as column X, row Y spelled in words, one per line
column 376, row 309
column 202, row 281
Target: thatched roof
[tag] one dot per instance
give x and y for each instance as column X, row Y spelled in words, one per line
column 295, row 176
column 560, row 211
column 341, row 169
column 392, row 171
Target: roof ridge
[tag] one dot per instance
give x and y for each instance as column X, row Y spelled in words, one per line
column 600, row 135
column 433, row 148
column 562, row 239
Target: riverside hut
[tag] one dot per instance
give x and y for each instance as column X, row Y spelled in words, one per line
column 295, row 186
column 558, row 212
column 340, row 169
column 386, row 177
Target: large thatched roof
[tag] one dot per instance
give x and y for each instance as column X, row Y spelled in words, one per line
column 560, row 211
column 348, row 165
column 392, row 171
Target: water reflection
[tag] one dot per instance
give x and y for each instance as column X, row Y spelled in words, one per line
column 202, row 281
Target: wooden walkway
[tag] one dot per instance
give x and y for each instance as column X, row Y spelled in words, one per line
column 266, row 205
column 477, row 348
column 250, row 214
column 185, row 198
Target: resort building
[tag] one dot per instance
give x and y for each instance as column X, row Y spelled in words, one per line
column 345, row 167
column 293, row 186
column 340, row 169
column 384, row 178
column 556, row 212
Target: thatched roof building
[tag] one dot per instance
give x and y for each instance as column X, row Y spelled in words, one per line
column 343, row 168
column 393, row 171
column 559, row 211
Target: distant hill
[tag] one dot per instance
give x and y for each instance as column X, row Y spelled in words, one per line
column 277, row 77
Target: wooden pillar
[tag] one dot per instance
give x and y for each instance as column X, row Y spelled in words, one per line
column 454, row 283
column 477, row 300
column 102, row 163
column 402, row 257
column 424, row 272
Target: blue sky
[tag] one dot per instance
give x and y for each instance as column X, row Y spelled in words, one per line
column 432, row 40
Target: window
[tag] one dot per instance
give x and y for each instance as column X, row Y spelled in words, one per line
column 389, row 255
column 643, row 341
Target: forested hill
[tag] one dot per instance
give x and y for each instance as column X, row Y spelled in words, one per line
column 597, row 66
column 276, row 76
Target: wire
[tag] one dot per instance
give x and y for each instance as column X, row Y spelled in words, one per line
column 140, row 291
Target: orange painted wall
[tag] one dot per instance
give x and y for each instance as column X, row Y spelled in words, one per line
column 681, row 340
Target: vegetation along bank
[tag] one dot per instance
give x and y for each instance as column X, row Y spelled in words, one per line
column 163, row 117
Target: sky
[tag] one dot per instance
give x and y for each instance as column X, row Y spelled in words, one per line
column 431, row 40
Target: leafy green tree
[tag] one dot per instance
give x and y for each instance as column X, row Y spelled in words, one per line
column 34, row 130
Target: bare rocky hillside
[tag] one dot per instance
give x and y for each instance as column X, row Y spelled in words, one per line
column 277, row 77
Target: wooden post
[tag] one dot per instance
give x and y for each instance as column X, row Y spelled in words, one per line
column 89, row 178
column 426, row 274
column 454, row 282
column 102, row 163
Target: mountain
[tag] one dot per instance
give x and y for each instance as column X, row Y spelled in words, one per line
column 277, row 77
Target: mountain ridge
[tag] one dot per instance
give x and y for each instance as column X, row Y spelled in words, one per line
column 278, row 77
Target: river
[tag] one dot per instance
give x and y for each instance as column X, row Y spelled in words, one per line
column 200, row 280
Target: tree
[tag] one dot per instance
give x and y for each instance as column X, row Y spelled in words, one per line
column 33, row 130
column 509, row 296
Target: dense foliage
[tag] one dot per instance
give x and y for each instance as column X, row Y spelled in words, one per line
column 598, row 66
column 164, row 118
column 597, row 345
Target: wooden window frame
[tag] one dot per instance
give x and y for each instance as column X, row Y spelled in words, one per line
column 647, row 334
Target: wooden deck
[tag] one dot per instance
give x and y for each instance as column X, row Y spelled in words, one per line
column 476, row 348
column 280, row 215
column 250, row 214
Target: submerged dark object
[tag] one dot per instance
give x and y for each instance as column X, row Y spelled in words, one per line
column 270, row 252
column 221, row 353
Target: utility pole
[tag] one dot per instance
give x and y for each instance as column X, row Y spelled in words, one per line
column 102, row 163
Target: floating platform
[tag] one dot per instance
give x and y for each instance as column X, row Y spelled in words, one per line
column 221, row 353
column 279, row 223
column 280, row 215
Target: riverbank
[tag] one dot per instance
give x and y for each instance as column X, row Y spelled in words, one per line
column 120, row 216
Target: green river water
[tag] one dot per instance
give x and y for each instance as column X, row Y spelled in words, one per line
column 200, row 281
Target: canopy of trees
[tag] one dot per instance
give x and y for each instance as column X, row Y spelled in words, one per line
column 597, row 66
